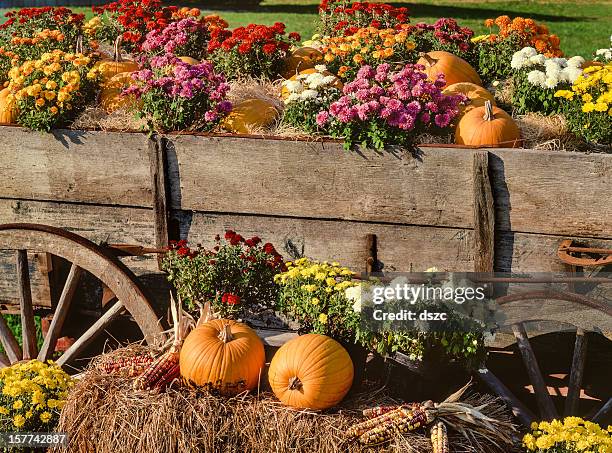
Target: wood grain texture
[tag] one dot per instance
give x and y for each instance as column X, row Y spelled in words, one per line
column 28, row 327
column 77, row 166
column 319, row 180
column 552, row 192
column 483, row 214
column 576, row 373
column 157, row 168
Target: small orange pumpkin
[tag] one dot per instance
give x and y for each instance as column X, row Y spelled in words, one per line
column 250, row 115
column 488, row 126
column 224, row 355
column 337, row 82
column 189, row 60
column 311, row 372
column 110, row 96
column 477, row 96
column 454, row 68
column 8, row 109
column 109, row 68
column 300, row 59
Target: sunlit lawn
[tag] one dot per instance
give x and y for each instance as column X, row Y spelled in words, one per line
column 583, row 26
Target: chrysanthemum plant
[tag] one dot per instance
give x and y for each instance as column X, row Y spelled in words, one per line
column 382, row 108
column 32, row 395
column 536, row 78
column 570, row 435
column 51, row 91
column 234, row 275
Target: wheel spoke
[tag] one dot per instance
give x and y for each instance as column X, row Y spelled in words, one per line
column 28, row 327
column 91, row 333
column 9, row 343
column 576, row 373
column 545, row 403
column 520, row 411
column 63, row 306
column 603, row 412
column 4, row 361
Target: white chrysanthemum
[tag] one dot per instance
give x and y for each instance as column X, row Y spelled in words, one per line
column 315, row 80
column 551, row 82
column 536, row 78
column 293, row 86
column 575, row 62
column 529, row 52
column 604, row 53
column 537, row 59
column 309, row 94
column 321, row 67
column 293, row 97
column 553, row 69
column 518, row 60
column 571, row 74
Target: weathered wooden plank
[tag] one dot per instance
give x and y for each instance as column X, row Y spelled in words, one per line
column 483, row 214
column 157, row 168
column 399, row 248
column 552, row 192
column 28, row 327
column 9, row 343
column 320, row 180
column 78, row 166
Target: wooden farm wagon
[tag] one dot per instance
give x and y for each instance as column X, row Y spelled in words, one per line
column 106, row 202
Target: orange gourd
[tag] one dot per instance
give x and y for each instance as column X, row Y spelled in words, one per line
column 189, row 60
column 337, row 82
column 223, row 355
column 300, row 59
column 8, row 109
column 454, row 68
column 477, row 96
column 110, row 96
column 109, row 68
column 250, row 115
column 488, row 126
column 311, row 372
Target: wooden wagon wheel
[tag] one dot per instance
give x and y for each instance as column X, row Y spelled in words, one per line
column 83, row 255
column 547, row 409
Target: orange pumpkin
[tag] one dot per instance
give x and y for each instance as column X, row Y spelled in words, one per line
column 488, row 126
column 189, row 60
column 311, row 372
column 110, row 96
column 337, row 82
column 249, row 116
column 454, row 68
column 477, row 96
column 224, row 355
column 109, row 68
column 8, row 109
column 300, row 59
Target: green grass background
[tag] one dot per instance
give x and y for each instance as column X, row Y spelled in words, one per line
column 583, row 26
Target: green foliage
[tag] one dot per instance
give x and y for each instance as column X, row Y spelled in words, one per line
column 14, row 325
column 527, row 97
column 594, row 127
column 493, row 58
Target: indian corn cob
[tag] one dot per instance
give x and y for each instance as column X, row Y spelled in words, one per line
column 365, row 426
column 165, row 369
column 126, row 366
column 372, row 412
column 439, row 438
column 402, row 424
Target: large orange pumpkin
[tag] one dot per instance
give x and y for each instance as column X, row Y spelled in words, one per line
column 110, row 96
column 488, row 126
column 337, row 82
column 224, row 355
column 249, row 116
column 300, row 59
column 189, row 60
column 311, row 372
column 109, row 68
column 454, row 68
column 477, row 96
column 8, row 110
